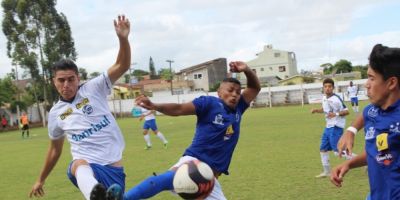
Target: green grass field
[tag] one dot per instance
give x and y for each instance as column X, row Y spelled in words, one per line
column 277, row 157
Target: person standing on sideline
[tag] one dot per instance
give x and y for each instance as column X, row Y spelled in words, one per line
column 4, row 122
column 381, row 126
column 352, row 92
column 150, row 123
column 216, row 134
column 25, row 124
column 335, row 111
column 82, row 115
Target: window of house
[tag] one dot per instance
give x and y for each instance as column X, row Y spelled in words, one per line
column 262, row 69
column 277, row 55
column 282, row 68
column 198, row 76
column 198, row 89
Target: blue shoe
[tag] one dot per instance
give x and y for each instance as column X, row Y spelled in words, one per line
column 114, row 192
column 98, row 192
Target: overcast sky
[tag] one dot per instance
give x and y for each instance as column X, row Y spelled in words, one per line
column 193, row 31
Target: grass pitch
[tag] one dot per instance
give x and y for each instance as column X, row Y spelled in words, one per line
column 277, row 157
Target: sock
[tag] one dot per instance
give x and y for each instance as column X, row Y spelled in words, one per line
column 151, row 186
column 356, row 108
column 23, row 133
column 325, row 162
column 162, row 138
column 147, row 139
column 27, row 133
column 85, row 179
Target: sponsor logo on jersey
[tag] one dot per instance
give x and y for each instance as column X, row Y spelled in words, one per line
column 370, row 133
column 384, row 158
column 82, row 103
column 229, row 132
column 218, row 120
column 92, row 130
column 66, row 113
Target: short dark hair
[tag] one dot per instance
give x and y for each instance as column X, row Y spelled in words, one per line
column 329, row 80
column 65, row 64
column 231, row 80
column 385, row 61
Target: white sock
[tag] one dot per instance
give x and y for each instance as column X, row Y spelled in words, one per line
column 85, row 179
column 162, row 138
column 356, row 108
column 325, row 161
column 147, row 139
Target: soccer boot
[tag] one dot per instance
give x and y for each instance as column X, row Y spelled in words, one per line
column 98, row 192
column 322, row 175
column 114, row 192
column 147, row 147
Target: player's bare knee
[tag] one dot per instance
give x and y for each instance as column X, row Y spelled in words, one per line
column 76, row 164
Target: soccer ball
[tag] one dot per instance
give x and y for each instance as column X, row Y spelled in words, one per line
column 194, row 180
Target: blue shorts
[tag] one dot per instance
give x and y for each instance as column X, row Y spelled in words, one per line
column 150, row 124
column 354, row 100
column 104, row 174
column 330, row 138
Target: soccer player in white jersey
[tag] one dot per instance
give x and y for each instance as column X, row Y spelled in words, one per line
column 150, row 123
column 352, row 91
column 83, row 117
column 335, row 112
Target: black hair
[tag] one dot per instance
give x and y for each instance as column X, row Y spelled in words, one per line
column 65, row 64
column 385, row 61
column 231, row 80
column 329, row 80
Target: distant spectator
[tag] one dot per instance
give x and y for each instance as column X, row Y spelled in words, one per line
column 4, row 122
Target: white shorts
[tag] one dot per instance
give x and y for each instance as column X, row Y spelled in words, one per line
column 216, row 193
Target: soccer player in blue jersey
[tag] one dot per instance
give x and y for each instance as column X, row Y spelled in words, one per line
column 83, row 117
column 381, row 125
column 335, row 112
column 216, row 135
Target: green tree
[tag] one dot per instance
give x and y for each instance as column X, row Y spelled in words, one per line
column 83, row 73
column 343, row 66
column 165, row 74
column 7, row 91
column 363, row 69
column 138, row 73
column 37, row 36
column 152, row 69
column 94, row 74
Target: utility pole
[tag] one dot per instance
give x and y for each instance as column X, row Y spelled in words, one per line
column 170, row 70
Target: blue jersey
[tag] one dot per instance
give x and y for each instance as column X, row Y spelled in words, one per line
column 382, row 144
column 217, row 132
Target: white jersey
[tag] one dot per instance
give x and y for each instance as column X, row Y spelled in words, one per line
column 145, row 112
column 88, row 123
column 333, row 104
column 352, row 90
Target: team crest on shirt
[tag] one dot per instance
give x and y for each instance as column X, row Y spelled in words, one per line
column 229, row 132
column 237, row 117
column 218, row 120
column 394, row 128
column 87, row 109
column 81, row 104
column 373, row 112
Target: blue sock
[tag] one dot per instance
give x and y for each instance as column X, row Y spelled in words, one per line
column 151, row 186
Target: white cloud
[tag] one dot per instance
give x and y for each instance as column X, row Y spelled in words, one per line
column 190, row 32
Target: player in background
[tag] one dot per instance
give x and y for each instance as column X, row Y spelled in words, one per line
column 335, row 111
column 25, row 124
column 216, row 134
column 381, row 125
column 352, row 92
column 83, row 117
column 150, row 123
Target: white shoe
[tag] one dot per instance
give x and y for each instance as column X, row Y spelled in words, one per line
column 322, row 175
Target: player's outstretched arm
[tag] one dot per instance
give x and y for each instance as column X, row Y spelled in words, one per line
column 172, row 109
column 346, row 142
column 253, row 84
column 53, row 154
column 340, row 171
column 123, row 62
